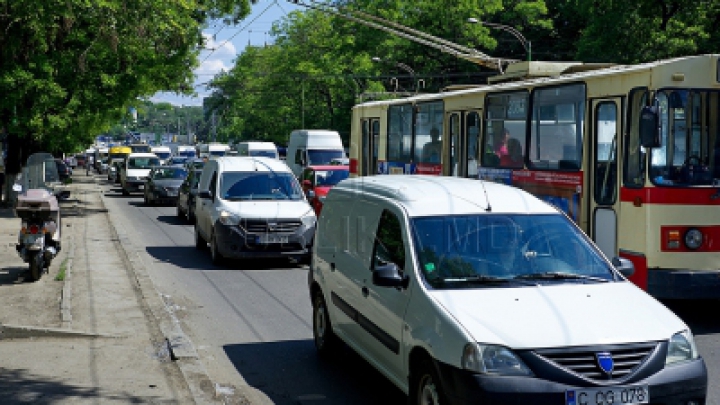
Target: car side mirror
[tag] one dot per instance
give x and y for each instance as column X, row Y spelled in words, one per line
column 206, row 194
column 624, row 266
column 388, row 275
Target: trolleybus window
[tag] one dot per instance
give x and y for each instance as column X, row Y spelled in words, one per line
column 399, row 135
column 634, row 168
column 556, row 128
column 472, row 126
column 428, row 133
column 505, row 120
column 686, row 155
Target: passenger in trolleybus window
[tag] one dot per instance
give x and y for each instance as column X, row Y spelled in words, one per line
column 432, row 150
column 514, row 157
column 501, row 146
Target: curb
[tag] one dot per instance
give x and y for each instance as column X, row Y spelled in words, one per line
column 182, row 351
column 24, row 332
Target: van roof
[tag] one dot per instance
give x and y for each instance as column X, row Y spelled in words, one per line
column 424, row 195
column 142, row 154
column 250, row 164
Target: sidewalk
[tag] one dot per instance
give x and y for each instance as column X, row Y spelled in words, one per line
column 99, row 335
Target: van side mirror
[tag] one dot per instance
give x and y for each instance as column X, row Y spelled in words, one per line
column 624, row 266
column 649, row 127
column 388, row 275
column 206, row 194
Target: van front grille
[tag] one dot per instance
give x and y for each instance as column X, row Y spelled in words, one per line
column 270, row 226
column 583, row 361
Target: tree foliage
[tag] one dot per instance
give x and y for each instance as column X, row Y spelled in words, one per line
column 70, row 68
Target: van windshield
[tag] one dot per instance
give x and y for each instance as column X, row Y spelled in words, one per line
column 461, row 251
column 143, row 162
column 322, row 157
column 264, row 153
column 163, row 155
column 238, row 186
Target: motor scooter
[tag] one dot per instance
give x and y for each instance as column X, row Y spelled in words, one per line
column 38, row 209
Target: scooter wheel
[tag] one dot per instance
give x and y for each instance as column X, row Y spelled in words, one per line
column 36, row 266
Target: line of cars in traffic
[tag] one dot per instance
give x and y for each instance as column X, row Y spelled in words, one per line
column 459, row 291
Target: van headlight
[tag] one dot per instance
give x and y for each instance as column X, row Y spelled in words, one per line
column 229, row 219
column 493, row 359
column 309, row 219
column 681, row 348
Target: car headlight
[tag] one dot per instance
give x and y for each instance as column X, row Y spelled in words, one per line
column 229, row 219
column 681, row 348
column 493, row 359
column 693, row 238
column 309, row 219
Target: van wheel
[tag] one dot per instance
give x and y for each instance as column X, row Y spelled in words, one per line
column 426, row 388
column 215, row 256
column 200, row 243
column 325, row 339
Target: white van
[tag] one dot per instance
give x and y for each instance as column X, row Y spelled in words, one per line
column 464, row 291
column 135, row 171
column 308, row 147
column 256, row 148
column 252, row 207
column 162, row 152
column 212, row 150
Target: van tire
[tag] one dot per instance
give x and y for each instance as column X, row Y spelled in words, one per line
column 425, row 386
column 215, row 255
column 323, row 336
column 200, row 243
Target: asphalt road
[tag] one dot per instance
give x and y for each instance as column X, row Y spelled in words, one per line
column 251, row 322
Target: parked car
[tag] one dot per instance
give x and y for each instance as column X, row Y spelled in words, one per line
column 81, row 160
column 252, row 207
column 463, row 291
column 317, row 180
column 163, row 184
column 186, row 196
column 64, row 171
column 71, row 161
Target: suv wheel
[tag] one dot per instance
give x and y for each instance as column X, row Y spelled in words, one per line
column 426, row 388
column 325, row 339
column 200, row 243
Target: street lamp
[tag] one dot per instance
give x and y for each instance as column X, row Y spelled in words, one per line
column 525, row 43
column 404, row 67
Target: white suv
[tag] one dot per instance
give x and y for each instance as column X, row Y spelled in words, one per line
column 462, row 291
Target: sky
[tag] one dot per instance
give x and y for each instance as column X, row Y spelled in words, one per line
column 225, row 42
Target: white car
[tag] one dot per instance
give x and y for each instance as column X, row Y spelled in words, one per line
column 136, row 170
column 463, row 291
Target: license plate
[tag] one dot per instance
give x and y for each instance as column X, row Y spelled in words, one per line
column 141, row 186
column 608, row 396
column 32, row 239
column 272, row 239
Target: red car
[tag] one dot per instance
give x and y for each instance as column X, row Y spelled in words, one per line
column 318, row 180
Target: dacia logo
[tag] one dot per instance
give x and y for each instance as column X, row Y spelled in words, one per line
column 605, row 362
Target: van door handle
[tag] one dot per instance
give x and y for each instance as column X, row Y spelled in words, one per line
column 332, row 266
column 365, row 292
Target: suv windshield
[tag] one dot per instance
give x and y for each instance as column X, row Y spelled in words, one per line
column 143, row 163
column 323, row 157
column 259, row 186
column 458, row 251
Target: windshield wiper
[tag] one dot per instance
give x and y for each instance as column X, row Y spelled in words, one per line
column 480, row 279
column 558, row 275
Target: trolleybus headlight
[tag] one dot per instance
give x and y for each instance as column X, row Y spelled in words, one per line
column 693, row 238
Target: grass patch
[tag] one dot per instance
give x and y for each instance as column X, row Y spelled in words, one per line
column 61, row 274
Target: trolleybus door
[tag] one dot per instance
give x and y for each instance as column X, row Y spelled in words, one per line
column 603, row 173
column 370, row 139
column 461, row 153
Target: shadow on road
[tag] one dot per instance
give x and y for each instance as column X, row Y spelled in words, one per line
column 188, row 257
column 21, row 387
column 13, row 275
column 172, row 220
column 290, row 372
